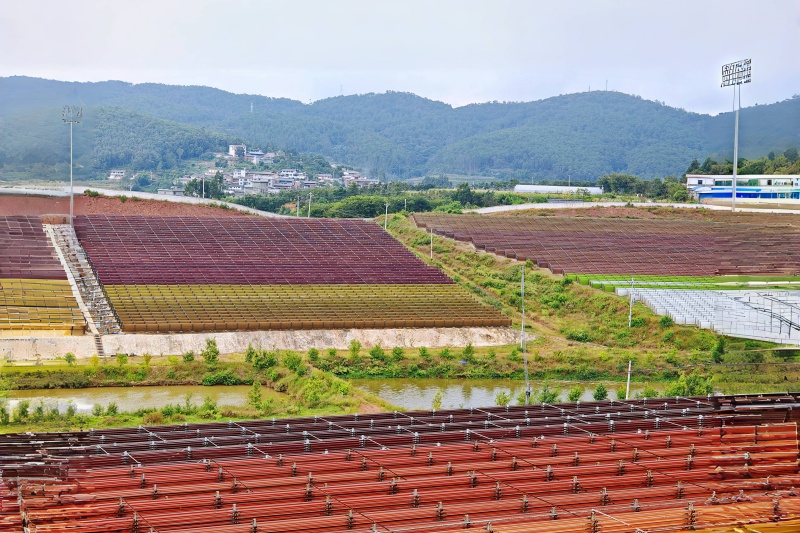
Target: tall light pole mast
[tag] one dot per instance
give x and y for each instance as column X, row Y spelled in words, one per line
column 310, row 195
column 71, row 115
column 735, row 74
column 386, row 218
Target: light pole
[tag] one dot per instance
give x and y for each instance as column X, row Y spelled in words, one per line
column 310, row 195
column 71, row 115
column 386, row 218
column 735, row 74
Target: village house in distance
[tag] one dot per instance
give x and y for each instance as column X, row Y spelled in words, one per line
column 241, row 181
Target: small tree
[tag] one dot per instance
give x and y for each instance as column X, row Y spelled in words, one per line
column 70, row 358
column 502, row 399
column 355, row 348
column 146, row 359
column 211, row 353
column 436, row 402
column 377, row 353
column 122, row 359
column 94, row 360
column 254, row 395
column 313, row 355
column 188, row 357
column 468, row 353
column 249, row 354
column 397, row 354
column 600, row 393
column 575, row 394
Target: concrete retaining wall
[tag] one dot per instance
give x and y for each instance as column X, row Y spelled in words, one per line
column 228, row 342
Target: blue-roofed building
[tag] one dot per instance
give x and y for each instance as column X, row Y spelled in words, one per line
column 761, row 186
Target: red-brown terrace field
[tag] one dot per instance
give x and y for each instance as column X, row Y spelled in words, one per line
column 668, row 247
column 661, row 465
column 182, row 274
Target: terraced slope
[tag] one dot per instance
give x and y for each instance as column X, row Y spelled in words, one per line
column 182, row 274
column 35, row 296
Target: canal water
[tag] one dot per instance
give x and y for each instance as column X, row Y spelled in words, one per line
column 411, row 394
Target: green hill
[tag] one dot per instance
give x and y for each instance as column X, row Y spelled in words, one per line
column 399, row 135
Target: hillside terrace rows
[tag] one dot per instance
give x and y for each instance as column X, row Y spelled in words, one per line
column 35, row 296
column 568, row 245
column 194, row 274
column 186, row 308
column 128, row 250
column 658, row 465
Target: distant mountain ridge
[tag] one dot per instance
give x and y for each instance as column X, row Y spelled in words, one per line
column 393, row 134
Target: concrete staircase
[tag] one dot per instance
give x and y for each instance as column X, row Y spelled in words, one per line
column 101, row 313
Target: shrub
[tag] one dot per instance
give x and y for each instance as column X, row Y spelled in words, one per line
column 292, row 361
column 648, row 392
column 719, row 350
column 621, row 393
column 211, row 353
column 97, row 410
column 547, row 395
column 265, row 359
column 5, row 415
column 694, row 384
column 397, row 354
column 71, row 410
column 153, row 418
column 172, row 360
column 313, row 355
column 424, row 353
column 575, row 394
column 331, row 352
column 112, row 409
column 377, row 353
column 146, row 359
column 502, row 399
column 94, row 360
column 70, row 358
column 600, row 393
column 666, row 322
column 444, row 353
column 122, row 359
column 578, row 335
column 223, row 377
column 638, row 322
column 188, row 357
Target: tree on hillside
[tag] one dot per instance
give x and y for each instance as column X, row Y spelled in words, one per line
column 212, row 188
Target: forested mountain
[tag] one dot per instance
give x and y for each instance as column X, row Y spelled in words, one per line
column 398, row 135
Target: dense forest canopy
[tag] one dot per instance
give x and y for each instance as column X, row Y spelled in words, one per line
column 580, row 136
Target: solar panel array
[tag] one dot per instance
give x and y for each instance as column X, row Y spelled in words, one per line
column 35, row 296
column 568, row 245
column 181, row 274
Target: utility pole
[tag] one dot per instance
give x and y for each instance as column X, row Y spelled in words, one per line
column 310, row 195
column 71, row 115
column 298, row 206
column 386, row 218
column 431, row 242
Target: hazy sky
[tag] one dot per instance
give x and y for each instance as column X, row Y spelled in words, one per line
column 455, row 51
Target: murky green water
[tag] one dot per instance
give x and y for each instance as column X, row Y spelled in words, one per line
column 418, row 393
column 404, row 392
column 133, row 398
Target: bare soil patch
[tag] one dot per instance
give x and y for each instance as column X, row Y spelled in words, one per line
column 97, row 205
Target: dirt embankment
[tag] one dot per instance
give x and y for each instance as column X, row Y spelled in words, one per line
column 767, row 219
column 94, row 205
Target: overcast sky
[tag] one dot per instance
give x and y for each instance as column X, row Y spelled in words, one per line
column 454, row 51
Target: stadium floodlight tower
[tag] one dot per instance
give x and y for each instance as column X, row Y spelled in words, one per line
column 71, row 115
column 735, row 74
